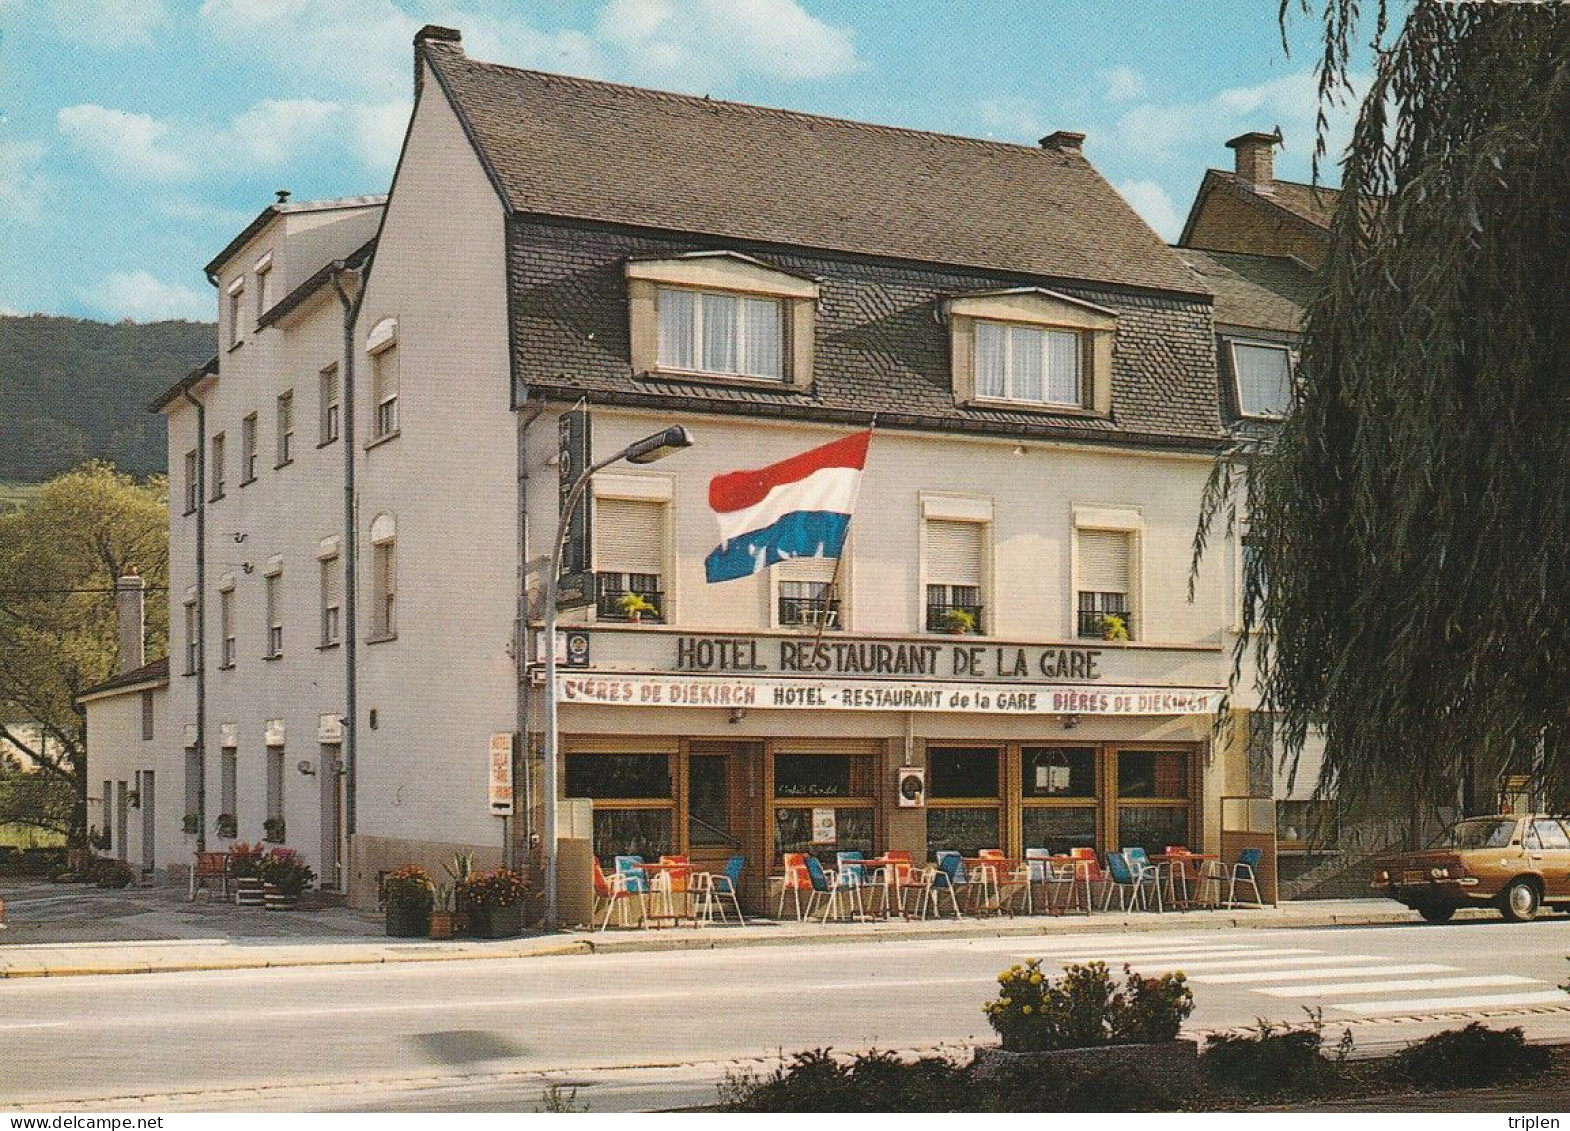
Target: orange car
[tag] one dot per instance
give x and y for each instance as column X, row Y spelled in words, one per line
column 1516, row 864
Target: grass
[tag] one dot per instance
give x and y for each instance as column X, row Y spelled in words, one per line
column 14, row 494
column 23, row 836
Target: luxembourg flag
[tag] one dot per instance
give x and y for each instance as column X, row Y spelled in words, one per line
column 797, row 508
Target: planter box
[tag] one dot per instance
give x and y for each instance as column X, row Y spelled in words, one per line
column 441, row 924
column 408, row 922
column 275, row 900
column 496, row 922
column 1171, row 1065
column 248, row 891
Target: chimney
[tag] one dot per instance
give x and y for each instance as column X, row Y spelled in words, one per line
column 130, row 612
column 1063, row 141
column 1255, row 154
column 432, row 34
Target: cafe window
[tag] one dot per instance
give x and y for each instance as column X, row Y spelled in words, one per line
column 965, row 807
column 803, row 781
column 1154, row 807
column 634, row 807
column 1058, row 797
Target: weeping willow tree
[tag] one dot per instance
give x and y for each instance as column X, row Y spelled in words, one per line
column 1412, row 515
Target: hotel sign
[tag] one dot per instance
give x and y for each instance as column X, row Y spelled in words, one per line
column 911, row 659
column 866, row 695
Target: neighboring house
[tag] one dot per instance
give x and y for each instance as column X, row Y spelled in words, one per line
column 1250, row 210
column 564, row 266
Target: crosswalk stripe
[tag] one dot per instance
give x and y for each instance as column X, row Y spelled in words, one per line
column 1434, row 1004
column 1249, row 962
column 1297, row 954
column 1317, row 972
column 1329, row 988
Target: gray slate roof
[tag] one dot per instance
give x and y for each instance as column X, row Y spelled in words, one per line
column 576, row 148
column 1266, row 292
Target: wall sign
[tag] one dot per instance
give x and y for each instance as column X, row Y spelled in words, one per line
column 824, row 830
column 919, row 660
column 501, row 775
column 881, row 695
column 575, row 585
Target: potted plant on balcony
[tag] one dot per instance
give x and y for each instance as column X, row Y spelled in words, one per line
column 960, row 622
column 190, row 824
column 634, row 605
column 286, row 877
column 274, row 830
column 227, row 826
column 442, row 913
column 1114, row 627
column 245, row 866
column 408, row 895
column 495, row 900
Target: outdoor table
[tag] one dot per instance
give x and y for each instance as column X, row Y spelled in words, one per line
column 990, row 870
column 1083, row 869
column 662, row 882
column 1177, row 862
column 890, row 881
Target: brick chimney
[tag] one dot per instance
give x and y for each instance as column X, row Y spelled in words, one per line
column 1063, row 141
column 1255, row 159
column 433, row 35
column 130, row 612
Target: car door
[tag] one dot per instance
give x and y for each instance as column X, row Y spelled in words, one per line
column 1551, row 856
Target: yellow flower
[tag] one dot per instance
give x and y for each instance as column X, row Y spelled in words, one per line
column 1007, row 1001
column 1027, row 1009
column 1035, row 979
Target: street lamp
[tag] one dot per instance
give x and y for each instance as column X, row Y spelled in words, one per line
column 661, row 444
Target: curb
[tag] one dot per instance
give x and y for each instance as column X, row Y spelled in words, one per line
column 648, row 942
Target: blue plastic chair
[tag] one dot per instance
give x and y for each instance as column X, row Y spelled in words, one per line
column 830, row 890
column 1129, row 884
column 1246, row 871
column 946, row 877
column 1143, row 867
column 712, row 888
column 635, row 880
column 849, row 864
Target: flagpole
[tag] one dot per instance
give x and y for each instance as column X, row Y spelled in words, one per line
column 834, row 577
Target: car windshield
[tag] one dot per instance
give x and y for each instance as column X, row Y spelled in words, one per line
column 1490, row 832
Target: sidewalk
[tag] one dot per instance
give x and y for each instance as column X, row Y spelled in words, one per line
column 67, row 930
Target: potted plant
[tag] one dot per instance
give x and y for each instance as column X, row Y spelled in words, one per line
column 133, row 799
column 245, row 866
column 113, row 874
column 960, row 622
column 273, row 829
column 459, row 869
column 1114, row 628
column 98, row 839
column 286, row 877
column 408, row 895
column 441, row 913
column 227, row 826
column 495, row 900
column 190, row 824
column 634, row 605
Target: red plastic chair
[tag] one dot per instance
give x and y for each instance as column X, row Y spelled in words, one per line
column 210, row 868
column 613, row 890
column 796, row 880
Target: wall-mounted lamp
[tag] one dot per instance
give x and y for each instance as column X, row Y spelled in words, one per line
column 737, row 714
column 1070, row 722
column 305, row 767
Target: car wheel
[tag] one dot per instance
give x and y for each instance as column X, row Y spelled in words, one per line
column 1436, row 913
column 1519, row 901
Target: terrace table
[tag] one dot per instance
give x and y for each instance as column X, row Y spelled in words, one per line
column 1084, row 870
column 1178, row 862
column 663, row 876
column 991, row 870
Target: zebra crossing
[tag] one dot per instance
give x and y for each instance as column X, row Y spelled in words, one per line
column 1353, row 985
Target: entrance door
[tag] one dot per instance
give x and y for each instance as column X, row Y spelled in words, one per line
column 721, row 809
column 330, row 774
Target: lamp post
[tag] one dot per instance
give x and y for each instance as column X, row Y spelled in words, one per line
column 646, row 450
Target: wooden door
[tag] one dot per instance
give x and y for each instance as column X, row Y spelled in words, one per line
column 720, row 811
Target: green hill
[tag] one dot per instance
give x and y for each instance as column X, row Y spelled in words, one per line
column 72, row 389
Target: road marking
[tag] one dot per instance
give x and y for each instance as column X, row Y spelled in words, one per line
column 1435, row 1004
column 1247, row 962
column 1330, row 988
column 1317, row 972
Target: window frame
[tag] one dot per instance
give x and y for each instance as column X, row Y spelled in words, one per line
column 699, row 319
column 329, row 388
column 1130, row 523
column 218, row 456
column 228, row 653
column 1039, row 309
column 236, row 312
column 248, row 438
column 272, row 588
column 384, row 579
column 193, row 480
column 1010, row 395
column 285, row 438
column 1283, row 348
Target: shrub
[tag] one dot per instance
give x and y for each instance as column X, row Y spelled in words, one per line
column 31, row 861
column 877, row 1081
column 1475, row 1056
column 287, row 872
column 246, row 860
column 1269, row 1061
column 501, row 888
column 1032, row 1013
column 113, row 874
column 409, row 889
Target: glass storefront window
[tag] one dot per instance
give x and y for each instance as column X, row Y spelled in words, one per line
column 962, row 830
column 632, row 832
column 962, row 772
column 812, row 775
column 1153, row 773
column 618, row 776
column 1152, row 827
column 1059, row 828
column 793, row 833
column 1058, row 772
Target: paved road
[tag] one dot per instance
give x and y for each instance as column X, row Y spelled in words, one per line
column 658, row 1029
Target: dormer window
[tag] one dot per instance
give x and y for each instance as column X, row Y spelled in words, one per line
column 1262, row 378
column 719, row 316
column 1032, row 348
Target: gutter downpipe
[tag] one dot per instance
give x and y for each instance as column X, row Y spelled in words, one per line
column 527, row 415
column 351, row 316
column 201, row 618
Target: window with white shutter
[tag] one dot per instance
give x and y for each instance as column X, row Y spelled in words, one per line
column 629, row 558
column 955, row 557
column 1104, row 585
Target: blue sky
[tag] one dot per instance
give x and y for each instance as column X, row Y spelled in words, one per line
column 137, row 136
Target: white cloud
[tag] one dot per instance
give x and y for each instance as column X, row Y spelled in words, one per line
column 376, row 133
column 1153, row 203
column 1123, row 83
column 141, row 297
column 22, row 186
column 707, row 40
column 1010, row 117
column 124, row 142
column 108, row 25
column 273, row 132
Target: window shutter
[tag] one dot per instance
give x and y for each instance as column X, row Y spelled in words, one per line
column 806, row 569
column 1103, row 561
column 629, row 536
column 954, row 552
